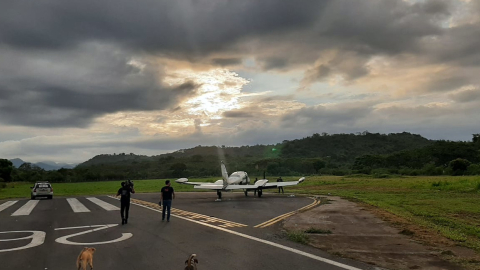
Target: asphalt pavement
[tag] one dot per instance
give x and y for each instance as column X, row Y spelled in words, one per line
column 49, row 234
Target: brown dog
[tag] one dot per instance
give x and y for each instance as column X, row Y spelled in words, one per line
column 85, row 257
column 191, row 262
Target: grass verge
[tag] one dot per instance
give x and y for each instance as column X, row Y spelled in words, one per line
column 317, row 231
column 443, row 205
column 297, row 236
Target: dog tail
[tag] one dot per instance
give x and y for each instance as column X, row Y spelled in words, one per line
column 190, row 259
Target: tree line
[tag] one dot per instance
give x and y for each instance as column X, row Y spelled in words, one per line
column 337, row 154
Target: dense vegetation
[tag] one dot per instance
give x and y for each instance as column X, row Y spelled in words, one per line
column 339, row 154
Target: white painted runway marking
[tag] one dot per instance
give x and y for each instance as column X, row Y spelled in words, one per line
column 38, row 237
column 77, row 206
column 104, row 205
column 5, row 205
column 299, row 252
column 64, row 239
column 26, row 209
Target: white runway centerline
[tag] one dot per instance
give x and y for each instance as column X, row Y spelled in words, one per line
column 104, row 205
column 5, row 205
column 26, row 209
column 77, row 206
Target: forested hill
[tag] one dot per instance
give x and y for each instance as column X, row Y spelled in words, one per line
column 338, row 154
column 256, row 151
column 341, row 149
column 114, row 158
column 344, row 148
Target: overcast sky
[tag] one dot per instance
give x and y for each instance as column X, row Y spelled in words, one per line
column 82, row 78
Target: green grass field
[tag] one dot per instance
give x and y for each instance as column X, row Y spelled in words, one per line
column 446, row 204
column 22, row 190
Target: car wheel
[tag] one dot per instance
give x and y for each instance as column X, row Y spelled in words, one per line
column 50, row 197
column 32, row 197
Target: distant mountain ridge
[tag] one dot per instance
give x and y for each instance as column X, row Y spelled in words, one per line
column 338, row 148
column 46, row 165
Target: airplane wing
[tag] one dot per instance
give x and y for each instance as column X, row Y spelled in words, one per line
column 186, row 182
column 209, row 186
column 219, row 185
column 284, row 184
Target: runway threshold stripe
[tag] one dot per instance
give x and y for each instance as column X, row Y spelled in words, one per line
column 296, row 251
column 26, row 209
column 5, row 205
column 104, row 205
column 77, row 206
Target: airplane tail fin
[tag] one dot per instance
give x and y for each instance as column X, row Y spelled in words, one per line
column 224, row 174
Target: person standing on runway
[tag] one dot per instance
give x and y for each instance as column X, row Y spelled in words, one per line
column 280, row 187
column 124, row 192
column 166, row 196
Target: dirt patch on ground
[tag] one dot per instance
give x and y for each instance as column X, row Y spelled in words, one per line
column 374, row 236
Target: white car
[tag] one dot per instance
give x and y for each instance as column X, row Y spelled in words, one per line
column 41, row 189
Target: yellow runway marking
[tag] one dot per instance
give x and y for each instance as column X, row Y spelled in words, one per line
column 296, row 251
column 192, row 216
column 286, row 215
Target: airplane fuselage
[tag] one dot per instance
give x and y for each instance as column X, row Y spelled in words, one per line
column 238, row 178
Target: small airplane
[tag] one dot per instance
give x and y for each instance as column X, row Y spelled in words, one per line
column 237, row 180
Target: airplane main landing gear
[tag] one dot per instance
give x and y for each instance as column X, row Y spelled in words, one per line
column 259, row 192
column 219, row 194
column 246, row 193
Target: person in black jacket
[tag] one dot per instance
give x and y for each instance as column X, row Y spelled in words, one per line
column 166, row 197
column 280, row 187
column 124, row 192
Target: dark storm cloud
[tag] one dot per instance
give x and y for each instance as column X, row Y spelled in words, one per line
column 71, row 89
column 191, row 28
column 226, row 61
column 466, row 96
column 319, row 73
column 184, row 25
column 273, row 63
column 62, row 63
column 459, row 45
column 237, row 114
column 447, row 82
column 318, row 116
column 274, row 98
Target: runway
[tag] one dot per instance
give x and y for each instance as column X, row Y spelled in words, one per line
column 49, row 234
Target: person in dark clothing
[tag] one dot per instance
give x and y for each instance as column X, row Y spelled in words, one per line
column 166, row 197
column 280, row 188
column 124, row 192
